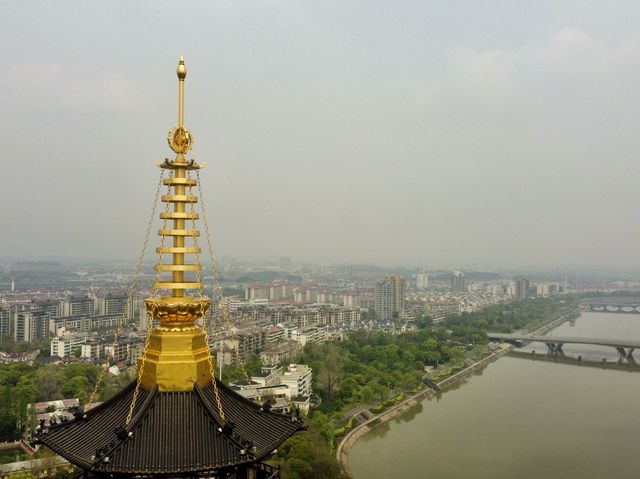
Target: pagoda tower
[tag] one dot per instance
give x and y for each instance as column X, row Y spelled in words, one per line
column 175, row 419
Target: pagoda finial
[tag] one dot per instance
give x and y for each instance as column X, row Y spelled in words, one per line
column 182, row 70
column 180, row 139
column 178, row 356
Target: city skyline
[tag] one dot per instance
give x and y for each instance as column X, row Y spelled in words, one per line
column 493, row 134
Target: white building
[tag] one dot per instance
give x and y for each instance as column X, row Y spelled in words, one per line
column 542, row 289
column 268, row 376
column 312, row 334
column 298, row 378
column 422, row 281
column 65, row 345
column 91, row 350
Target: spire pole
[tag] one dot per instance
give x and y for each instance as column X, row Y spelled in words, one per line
column 182, row 74
column 178, row 356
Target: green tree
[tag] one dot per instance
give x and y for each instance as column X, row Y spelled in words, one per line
column 20, row 475
column 331, row 369
column 77, row 387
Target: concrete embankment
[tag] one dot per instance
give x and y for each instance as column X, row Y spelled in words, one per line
column 350, row 439
column 557, row 322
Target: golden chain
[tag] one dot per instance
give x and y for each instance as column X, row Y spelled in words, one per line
column 219, row 295
column 154, row 295
column 133, row 285
column 199, row 278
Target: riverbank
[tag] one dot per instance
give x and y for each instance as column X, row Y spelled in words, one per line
column 345, row 445
column 510, row 414
column 342, row 452
column 571, row 315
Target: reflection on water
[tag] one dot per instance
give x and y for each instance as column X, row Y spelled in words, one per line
column 380, row 431
column 525, row 419
column 410, row 413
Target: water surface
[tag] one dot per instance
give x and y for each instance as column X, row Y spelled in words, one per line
column 521, row 418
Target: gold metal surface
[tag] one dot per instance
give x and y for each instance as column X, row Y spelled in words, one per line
column 174, row 165
column 187, row 309
column 179, row 232
column 174, row 285
column 178, row 267
column 179, row 181
column 172, row 249
column 175, row 360
column 180, row 139
column 175, row 216
column 177, row 355
column 179, row 197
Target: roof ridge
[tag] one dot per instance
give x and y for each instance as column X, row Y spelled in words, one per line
column 137, row 415
column 124, row 433
column 243, row 449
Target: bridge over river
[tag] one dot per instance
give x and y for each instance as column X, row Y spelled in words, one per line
column 612, row 305
column 624, row 346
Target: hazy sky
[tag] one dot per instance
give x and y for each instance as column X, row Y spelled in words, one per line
column 419, row 132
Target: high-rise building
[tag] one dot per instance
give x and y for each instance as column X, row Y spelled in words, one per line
column 77, row 306
column 457, row 282
column 389, row 296
column 521, row 288
column 399, row 290
column 422, row 280
column 113, row 304
column 32, row 325
column 383, row 297
column 5, row 323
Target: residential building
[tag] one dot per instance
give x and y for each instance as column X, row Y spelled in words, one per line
column 52, row 307
column 422, row 281
column 310, row 334
column 251, row 341
column 389, row 295
column 521, row 288
column 281, row 352
column 77, row 306
column 5, row 323
column 92, row 350
column 66, row 345
column 268, row 376
column 118, row 352
column 82, row 323
column 542, row 290
column 457, row 282
column 298, row 378
column 440, row 309
column 113, row 304
column 32, row 325
column 274, row 291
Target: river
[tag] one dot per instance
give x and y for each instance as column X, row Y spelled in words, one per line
column 521, row 418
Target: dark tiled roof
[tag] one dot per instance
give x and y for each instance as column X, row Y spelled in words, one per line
column 172, row 432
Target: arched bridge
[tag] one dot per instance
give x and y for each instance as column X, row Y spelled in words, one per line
column 624, row 346
column 613, row 308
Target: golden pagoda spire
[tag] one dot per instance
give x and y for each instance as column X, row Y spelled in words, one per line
column 177, row 355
